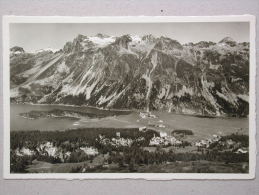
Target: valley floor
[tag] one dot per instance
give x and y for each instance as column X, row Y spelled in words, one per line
column 126, row 150
column 169, row 167
column 79, row 140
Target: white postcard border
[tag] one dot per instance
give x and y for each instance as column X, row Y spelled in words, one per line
column 128, row 19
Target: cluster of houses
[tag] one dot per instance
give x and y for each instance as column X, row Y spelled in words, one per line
column 45, row 149
column 242, row 151
column 205, row 143
column 24, row 152
column 90, row 151
column 149, row 115
column 48, row 149
column 145, row 115
column 164, row 140
column 228, row 144
column 156, row 125
column 117, row 142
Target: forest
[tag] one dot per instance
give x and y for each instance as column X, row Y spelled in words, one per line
column 125, row 149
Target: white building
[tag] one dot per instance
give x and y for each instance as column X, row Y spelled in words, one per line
column 90, row 151
column 163, row 134
column 24, row 151
column 142, row 128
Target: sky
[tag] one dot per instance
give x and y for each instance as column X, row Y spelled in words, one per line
column 32, row 36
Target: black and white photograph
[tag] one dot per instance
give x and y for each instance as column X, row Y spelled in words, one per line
column 129, row 97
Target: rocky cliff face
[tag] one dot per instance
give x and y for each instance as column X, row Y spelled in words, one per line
column 133, row 72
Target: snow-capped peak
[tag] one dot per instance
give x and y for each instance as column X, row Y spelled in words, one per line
column 136, row 38
column 47, row 49
column 101, row 41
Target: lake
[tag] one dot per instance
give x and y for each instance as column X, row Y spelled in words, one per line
column 21, row 123
column 202, row 127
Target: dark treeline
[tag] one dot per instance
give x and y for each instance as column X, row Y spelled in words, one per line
column 126, row 157
column 70, row 140
column 80, row 137
column 136, row 156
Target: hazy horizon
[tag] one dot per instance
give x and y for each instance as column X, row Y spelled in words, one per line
column 32, row 36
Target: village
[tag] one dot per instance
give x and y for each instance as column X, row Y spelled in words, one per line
column 161, row 141
column 97, row 147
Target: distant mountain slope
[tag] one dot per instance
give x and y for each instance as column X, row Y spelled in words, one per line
column 136, row 72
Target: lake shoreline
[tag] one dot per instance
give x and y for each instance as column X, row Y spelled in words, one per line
column 160, row 121
column 70, row 105
column 132, row 110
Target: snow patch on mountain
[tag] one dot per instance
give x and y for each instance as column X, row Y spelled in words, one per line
column 14, row 92
column 243, row 97
column 116, row 97
column 185, row 90
column 123, row 51
column 31, row 71
column 139, row 45
column 104, row 99
column 162, row 93
column 136, row 39
column 49, row 81
column 84, row 86
column 102, row 41
column 88, row 90
column 229, row 96
column 63, row 68
column 17, row 52
column 42, row 70
column 208, row 96
column 47, row 50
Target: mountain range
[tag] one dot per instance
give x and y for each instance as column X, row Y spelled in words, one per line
column 136, row 72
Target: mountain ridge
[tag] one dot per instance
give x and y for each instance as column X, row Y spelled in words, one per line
column 136, row 72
